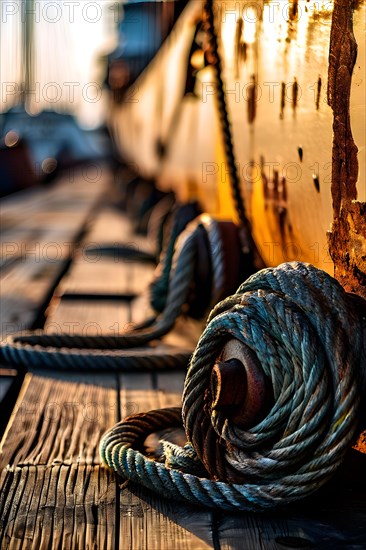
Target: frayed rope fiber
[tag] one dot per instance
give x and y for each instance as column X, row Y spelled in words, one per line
column 307, row 338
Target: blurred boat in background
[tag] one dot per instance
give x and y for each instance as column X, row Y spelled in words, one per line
column 36, row 145
column 35, row 149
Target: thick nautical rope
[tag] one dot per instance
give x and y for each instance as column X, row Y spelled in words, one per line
column 75, row 351
column 181, row 216
column 307, row 337
column 232, row 166
column 158, row 222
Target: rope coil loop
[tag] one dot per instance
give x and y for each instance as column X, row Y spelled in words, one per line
column 41, row 349
column 297, row 324
column 180, row 217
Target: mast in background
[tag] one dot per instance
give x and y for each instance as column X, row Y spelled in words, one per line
column 27, row 50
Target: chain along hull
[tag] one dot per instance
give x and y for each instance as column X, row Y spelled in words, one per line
column 275, row 69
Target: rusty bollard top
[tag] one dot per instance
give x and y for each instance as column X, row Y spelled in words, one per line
column 239, row 387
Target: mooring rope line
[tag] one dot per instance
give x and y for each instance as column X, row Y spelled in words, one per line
column 40, row 349
column 159, row 288
column 146, row 359
column 235, row 185
column 217, row 258
column 223, row 112
column 308, row 339
column 37, row 348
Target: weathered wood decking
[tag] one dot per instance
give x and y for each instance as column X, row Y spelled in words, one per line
column 54, row 491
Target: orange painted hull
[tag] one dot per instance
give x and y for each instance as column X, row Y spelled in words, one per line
column 275, row 59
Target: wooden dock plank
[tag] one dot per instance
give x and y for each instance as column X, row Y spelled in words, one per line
column 100, row 275
column 54, row 492
column 93, row 273
column 112, row 226
column 12, row 490
column 147, row 521
column 334, row 517
column 186, row 332
column 41, row 229
column 88, row 317
column 68, row 197
column 59, row 506
column 24, row 289
column 152, row 523
column 318, row 525
column 59, row 418
column 90, row 275
column 137, row 393
column 170, row 388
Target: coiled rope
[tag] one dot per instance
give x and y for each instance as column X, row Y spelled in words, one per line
column 298, row 324
column 53, row 350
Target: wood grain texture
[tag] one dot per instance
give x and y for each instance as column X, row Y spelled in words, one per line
column 334, row 518
column 57, row 506
column 147, row 521
column 170, row 388
column 54, row 493
column 59, row 418
column 111, row 226
column 91, row 271
column 23, row 290
column 113, row 276
column 88, row 317
column 40, row 228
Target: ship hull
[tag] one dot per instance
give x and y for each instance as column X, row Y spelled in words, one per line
column 275, row 67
